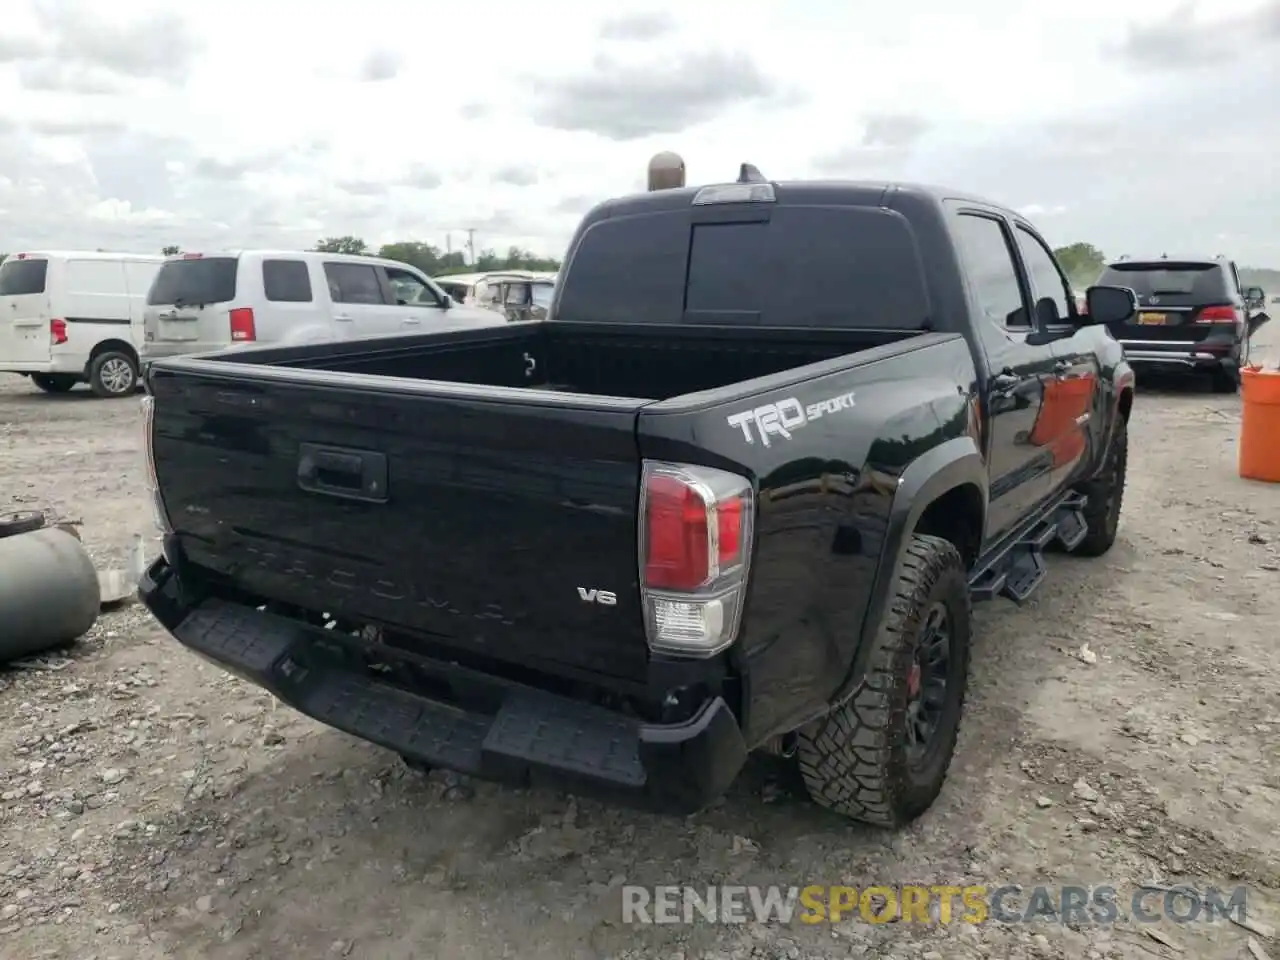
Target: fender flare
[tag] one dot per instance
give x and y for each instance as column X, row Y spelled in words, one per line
column 951, row 464
column 1123, row 380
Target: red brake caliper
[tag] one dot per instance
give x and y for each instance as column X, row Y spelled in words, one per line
column 913, row 681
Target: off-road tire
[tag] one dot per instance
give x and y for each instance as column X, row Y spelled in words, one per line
column 854, row 760
column 109, row 360
column 1105, row 494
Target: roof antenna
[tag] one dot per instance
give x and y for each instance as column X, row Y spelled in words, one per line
column 749, row 173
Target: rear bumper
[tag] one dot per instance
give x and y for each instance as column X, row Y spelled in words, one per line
column 525, row 736
column 1209, row 355
column 72, row 366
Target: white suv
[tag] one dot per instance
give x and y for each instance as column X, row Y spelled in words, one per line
column 204, row 302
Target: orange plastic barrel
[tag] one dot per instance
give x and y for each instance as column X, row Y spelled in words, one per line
column 1260, row 424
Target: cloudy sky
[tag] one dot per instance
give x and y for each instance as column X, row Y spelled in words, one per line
column 132, row 124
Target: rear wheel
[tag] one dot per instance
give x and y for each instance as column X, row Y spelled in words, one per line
column 53, row 382
column 1226, row 381
column 883, row 756
column 113, row 373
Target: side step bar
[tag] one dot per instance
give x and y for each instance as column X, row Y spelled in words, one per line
column 1019, row 567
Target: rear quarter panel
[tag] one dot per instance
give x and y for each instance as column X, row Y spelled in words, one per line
column 826, row 491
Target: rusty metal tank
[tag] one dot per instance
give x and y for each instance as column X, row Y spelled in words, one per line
column 49, row 593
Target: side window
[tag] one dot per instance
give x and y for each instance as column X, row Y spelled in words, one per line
column 409, row 290
column 985, row 249
column 518, row 295
column 353, row 283
column 1047, row 282
column 286, row 281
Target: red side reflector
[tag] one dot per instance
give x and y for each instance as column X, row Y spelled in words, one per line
column 242, row 326
column 1218, row 315
column 192, row 256
column 729, row 531
column 57, row 332
column 678, row 555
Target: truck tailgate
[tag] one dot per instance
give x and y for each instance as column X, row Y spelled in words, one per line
column 486, row 524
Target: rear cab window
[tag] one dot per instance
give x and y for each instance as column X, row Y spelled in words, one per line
column 805, row 266
column 194, row 281
column 22, row 278
column 1172, row 282
column 286, row 281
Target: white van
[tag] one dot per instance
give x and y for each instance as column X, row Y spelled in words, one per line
column 204, row 302
column 69, row 317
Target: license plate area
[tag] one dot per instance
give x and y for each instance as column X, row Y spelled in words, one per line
column 1153, row 319
column 179, row 328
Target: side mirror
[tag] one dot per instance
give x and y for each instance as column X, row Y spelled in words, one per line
column 1109, row 305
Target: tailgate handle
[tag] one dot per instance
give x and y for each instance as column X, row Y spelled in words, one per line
column 340, row 472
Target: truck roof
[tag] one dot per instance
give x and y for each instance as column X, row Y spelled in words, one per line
column 853, row 193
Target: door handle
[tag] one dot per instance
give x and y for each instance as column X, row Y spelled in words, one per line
column 412, row 321
column 340, row 472
column 345, row 318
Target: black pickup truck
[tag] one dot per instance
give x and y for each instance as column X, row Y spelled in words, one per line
column 736, row 493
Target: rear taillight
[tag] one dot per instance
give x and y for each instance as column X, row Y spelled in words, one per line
column 696, row 527
column 242, row 327
column 57, row 332
column 1220, row 315
column 158, row 511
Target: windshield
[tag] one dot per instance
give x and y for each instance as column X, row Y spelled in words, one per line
column 19, row 278
column 194, row 282
column 1196, row 280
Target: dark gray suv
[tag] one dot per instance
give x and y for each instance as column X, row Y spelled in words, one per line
column 1192, row 315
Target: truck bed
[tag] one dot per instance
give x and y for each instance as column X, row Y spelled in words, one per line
column 638, row 362
column 447, row 489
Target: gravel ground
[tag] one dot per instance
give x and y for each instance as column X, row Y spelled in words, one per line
column 152, row 806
